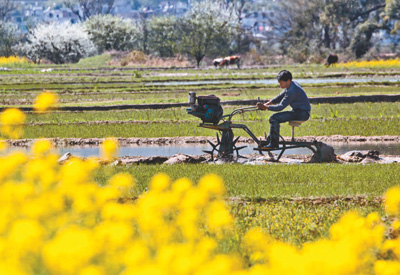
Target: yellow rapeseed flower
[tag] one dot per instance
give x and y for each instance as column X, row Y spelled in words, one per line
column 41, row 147
column 392, row 201
column 13, row 60
column 160, row 182
column 112, row 235
column 11, row 122
column 187, row 221
column 387, row 267
column 10, row 268
column 218, row 216
column 212, row 184
column 389, row 63
column 396, row 225
column 42, row 170
column 26, row 235
column 255, row 239
column 124, row 182
column 56, row 219
column 181, row 185
column 393, row 246
column 3, row 145
column 75, row 171
column 92, row 270
column 109, row 148
column 11, row 164
column 117, row 211
column 71, row 250
column 137, row 254
column 106, row 194
column 45, row 101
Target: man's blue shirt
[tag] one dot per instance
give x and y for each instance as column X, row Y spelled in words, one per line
column 293, row 96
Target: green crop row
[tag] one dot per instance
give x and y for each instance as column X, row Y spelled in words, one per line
column 319, row 111
column 298, row 70
column 348, row 127
column 100, row 97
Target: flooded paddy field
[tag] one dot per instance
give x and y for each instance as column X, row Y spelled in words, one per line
column 91, row 87
column 386, row 148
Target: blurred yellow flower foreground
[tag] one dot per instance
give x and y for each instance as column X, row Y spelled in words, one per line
column 55, row 219
column 45, row 101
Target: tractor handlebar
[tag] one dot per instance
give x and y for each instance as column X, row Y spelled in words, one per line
column 240, row 111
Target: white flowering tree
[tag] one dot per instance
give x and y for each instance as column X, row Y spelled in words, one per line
column 207, row 29
column 59, row 43
column 110, row 32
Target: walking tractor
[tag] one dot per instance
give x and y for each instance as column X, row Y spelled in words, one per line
column 209, row 110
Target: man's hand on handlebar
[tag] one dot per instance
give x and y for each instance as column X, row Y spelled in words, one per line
column 262, row 106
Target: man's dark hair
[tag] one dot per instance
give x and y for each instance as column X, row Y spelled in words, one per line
column 284, row 76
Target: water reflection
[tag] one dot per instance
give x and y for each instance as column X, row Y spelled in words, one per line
column 384, row 148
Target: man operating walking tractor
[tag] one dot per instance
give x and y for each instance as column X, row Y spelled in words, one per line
column 209, row 110
column 293, row 95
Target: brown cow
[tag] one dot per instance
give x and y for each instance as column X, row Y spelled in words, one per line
column 229, row 60
column 217, row 61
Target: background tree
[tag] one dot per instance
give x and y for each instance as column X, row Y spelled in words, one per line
column 6, row 6
column 361, row 41
column 315, row 26
column 110, row 32
column 84, row 9
column 9, row 37
column 392, row 10
column 208, row 28
column 163, row 36
column 59, row 43
column 297, row 26
column 351, row 23
column 238, row 7
column 143, row 24
column 150, row 3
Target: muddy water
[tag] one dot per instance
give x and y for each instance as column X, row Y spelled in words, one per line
column 273, row 81
column 384, row 148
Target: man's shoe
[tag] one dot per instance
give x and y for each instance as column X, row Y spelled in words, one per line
column 264, row 142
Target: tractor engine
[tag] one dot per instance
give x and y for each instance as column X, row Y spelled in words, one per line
column 208, row 108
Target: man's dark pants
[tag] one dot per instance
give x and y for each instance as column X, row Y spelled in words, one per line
column 276, row 119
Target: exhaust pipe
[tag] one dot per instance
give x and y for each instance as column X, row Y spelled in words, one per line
column 192, row 98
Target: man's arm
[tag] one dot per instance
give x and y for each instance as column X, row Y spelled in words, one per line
column 283, row 104
column 278, row 98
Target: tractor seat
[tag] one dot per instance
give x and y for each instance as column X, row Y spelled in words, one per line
column 295, row 123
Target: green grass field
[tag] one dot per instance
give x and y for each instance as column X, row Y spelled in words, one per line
column 366, row 119
column 276, row 180
column 129, row 86
column 314, row 127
